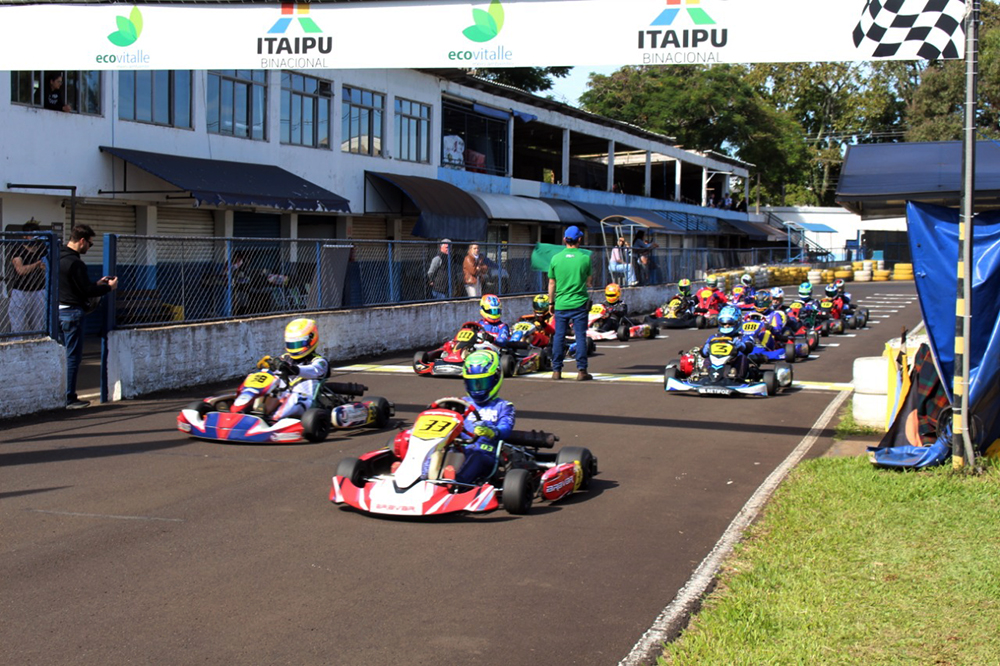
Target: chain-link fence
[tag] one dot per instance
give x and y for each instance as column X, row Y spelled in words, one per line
column 30, row 264
column 166, row 279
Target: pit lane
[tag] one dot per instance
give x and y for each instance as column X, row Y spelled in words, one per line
column 124, row 541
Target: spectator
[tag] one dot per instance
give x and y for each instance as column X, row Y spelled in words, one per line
column 76, row 292
column 621, row 264
column 473, row 269
column 26, row 278
column 569, row 279
column 437, row 274
column 647, row 263
column 55, row 96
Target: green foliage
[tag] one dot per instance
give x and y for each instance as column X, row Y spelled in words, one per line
column 530, row 79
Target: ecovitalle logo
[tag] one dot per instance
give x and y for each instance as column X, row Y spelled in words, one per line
column 294, row 51
column 685, row 45
column 129, row 29
column 487, row 25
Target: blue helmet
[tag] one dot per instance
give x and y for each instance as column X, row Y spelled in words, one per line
column 483, row 376
column 729, row 320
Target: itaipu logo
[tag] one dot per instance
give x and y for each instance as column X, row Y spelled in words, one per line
column 129, row 29
column 306, row 48
column 668, row 38
column 487, row 24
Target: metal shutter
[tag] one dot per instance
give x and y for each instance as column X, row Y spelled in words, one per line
column 408, row 224
column 185, row 222
column 105, row 220
column 369, row 228
column 520, row 234
column 256, row 225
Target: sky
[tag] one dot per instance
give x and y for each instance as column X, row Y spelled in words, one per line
column 569, row 89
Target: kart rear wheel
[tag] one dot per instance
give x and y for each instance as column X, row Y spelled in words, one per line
column 508, row 365
column 353, row 470
column 544, row 359
column 812, row 340
column 790, row 352
column 201, row 407
column 587, row 462
column 382, row 411
column 623, row 333
column 518, row 491
column 771, row 382
column 654, row 331
column 824, row 329
column 316, row 424
column 700, row 321
column 591, row 347
column 855, row 321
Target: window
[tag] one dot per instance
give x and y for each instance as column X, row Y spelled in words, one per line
column 305, row 110
column 362, row 122
column 159, row 97
column 413, row 136
column 473, row 140
column 80, row 91
column 237, row 103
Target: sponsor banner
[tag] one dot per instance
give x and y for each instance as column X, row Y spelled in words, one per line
column 496, row 33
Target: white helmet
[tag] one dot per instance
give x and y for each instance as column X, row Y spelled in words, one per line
column 777, row 292
column 746, row 280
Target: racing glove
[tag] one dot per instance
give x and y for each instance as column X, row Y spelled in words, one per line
column 484, row 431
column 264, row 362
column 288, row 368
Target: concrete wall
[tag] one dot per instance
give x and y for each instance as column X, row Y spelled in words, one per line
column 152, row 359
column 30, row 369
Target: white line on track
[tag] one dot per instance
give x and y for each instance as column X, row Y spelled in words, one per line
column 830, row 344
column 814, row 355
column 104, row 515
column 648, row 647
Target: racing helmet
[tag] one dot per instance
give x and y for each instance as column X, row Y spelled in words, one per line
column 712, row 281
column 746, row 280
column 729, row 320
column 684, row 286
column 831, row 291
column 613, row 293
column 301, row 338
column 489, row 308
column 805, row 290
column 777, row 320
column 762, row 301
column 483, row 376
column 839, row 284
column 777, row 295
column 540, row 305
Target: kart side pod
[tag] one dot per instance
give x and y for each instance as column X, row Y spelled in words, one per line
column 561, row 480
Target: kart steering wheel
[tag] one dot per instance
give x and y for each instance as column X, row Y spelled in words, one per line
column 456, row 404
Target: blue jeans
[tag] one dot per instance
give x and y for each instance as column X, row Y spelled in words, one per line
column 439, row 295
column 579, row 318
column 71, row 323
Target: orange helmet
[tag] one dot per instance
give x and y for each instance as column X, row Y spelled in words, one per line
column 613, row 293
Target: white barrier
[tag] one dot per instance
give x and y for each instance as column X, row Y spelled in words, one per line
column 869, row 400
column 34, row 376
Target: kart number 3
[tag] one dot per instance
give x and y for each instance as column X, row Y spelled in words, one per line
column 721, row 349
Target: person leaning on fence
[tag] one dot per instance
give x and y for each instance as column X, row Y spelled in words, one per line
column 647, row 263
column 569, row 279
column 621, row 264
column 437, row 274
column 76, row 298
column 473, row 268
column 26, row 279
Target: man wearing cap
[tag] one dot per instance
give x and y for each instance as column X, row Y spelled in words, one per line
column 569, row 279
column 437, row 274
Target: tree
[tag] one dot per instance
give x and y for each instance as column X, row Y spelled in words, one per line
column 530, row 79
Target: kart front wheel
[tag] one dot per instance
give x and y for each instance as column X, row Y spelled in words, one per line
column 353, row 470
column 316, row 424
column 812, row 339
column 825, row 329
column 587, row 462
column 419, row 360
column 518, row 491
column 700, row 322
column 623, row 333
column 508, row 365
column 790, row 352
column 202, row 407
column 771, row 382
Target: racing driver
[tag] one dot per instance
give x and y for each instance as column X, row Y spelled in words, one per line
column 301, row 369
column 490, row 312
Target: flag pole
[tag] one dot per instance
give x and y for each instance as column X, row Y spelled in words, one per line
column 961, row 444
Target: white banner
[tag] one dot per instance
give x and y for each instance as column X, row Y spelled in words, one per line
column 497, row 33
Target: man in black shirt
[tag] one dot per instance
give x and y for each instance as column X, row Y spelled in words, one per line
column 26, row 278
column 75, row 291
column 55, row 96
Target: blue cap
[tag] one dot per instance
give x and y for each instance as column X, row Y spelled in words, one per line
column 573, row 233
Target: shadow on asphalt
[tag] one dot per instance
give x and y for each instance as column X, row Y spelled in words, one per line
column 35, row 491
column 65, row 454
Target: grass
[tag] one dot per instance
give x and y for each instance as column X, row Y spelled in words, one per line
column 855, row 565
column 848, row 427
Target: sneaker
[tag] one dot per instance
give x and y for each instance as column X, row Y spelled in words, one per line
column 557, row 374
column 77, row 404
column 583, row 376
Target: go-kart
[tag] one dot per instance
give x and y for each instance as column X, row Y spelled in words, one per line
column 740, row 297
column 853, row 315
column 598, row 326
column 766, row 345
column 708, row 304
column 405, row 478
column 726, row 371
column 447, row 360
column 810, row 327
column 244, row 416
column 830, row 315
column 673, row 315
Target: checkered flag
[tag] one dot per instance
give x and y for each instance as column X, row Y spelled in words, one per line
column 921, row 29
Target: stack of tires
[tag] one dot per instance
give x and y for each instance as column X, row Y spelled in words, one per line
column 844, row 273
column 903, row 272
column 879, row 275
column 870, row 400
column 815, row 277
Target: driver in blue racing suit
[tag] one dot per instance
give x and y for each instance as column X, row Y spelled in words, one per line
column 490, row 312
column 730, row 322
column 483, row 378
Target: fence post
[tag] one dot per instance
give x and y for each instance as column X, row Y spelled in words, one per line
column 393, row 285
column 54, row 328
column 318, row 281
column 110, row 268
column 228, row 300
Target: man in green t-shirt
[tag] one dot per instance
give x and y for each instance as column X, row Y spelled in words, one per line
column 569, row 278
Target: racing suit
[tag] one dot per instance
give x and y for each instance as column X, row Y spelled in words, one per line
column 544, row 328
column 744, row 347
column 299, row 384
column 712, row 302
column 615, row 312
column 500, row 331
column 481, row 453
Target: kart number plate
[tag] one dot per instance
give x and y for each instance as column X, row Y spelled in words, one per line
column 597, row 309
column 465, row 335
column 433, row 427
column 705, row 293
column 523, row 326
column 721, row 349
column 750, row 327
column 826, row 305
column 714, row 390
column 258, row 380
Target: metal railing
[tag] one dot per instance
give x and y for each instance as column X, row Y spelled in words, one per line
column 27, row 295
column 164, row 279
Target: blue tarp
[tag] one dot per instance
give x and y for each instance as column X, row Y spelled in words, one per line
column 933, row 232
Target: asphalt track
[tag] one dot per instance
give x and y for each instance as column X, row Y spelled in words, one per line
column 124, row 542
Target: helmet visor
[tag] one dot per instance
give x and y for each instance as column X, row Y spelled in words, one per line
column 296, row 346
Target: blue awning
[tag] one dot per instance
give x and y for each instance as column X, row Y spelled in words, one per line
column 816, row 227
column 443, row 210
column 647, row 218
column 570, row 214
column 224, row 183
